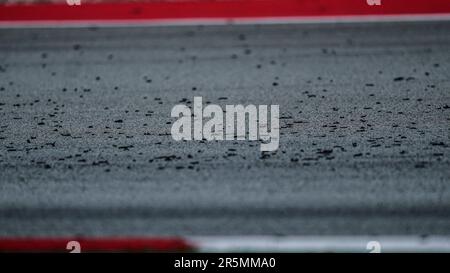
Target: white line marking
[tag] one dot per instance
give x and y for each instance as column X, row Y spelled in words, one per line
column 320, row 243
column 226, row 21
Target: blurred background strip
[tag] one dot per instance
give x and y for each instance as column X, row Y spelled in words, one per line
column 230, row 244
column 82, row 10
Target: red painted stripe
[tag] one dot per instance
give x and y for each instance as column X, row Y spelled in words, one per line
column 225, row 9
column 103, row 244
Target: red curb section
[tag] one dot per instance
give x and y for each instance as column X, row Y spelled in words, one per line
column 224, row 9
column 103, row 244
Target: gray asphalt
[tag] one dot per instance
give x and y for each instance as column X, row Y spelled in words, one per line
column 85, row 145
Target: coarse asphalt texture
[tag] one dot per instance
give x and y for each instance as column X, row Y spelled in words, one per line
column 85, row 144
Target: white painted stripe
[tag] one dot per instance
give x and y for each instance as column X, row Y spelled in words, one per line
column 225, row 21
column 322, row 244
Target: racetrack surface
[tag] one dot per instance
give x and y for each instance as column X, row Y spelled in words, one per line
column 85, row 144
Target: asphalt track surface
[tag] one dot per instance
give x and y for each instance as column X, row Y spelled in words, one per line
column 85, row 144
